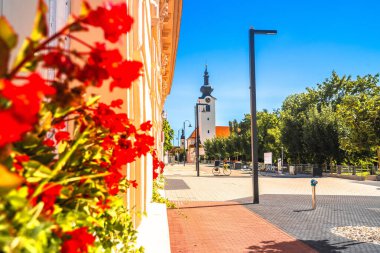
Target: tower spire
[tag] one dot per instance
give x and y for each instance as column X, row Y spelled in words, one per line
column 206, row 88
column 206, row 76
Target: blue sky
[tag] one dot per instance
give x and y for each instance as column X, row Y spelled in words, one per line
column 314, row 38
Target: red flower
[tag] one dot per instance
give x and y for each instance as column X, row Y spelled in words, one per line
column 60, row 125
column 112, row 18
column 62, row 136
column 48, row 196
column 49, row 143
column 117, row 103
column 25, row 102
column 61, row 62
column 157, row 164
column 22, row 158
column 143, row 143
column 107, row 118
column 125, row 73
column 78, row 241
column 26, row 99
column 123, row 156
column 133, row 183
column 146, row 126
column 103, row 204
column 113, row 181
column 12, row 130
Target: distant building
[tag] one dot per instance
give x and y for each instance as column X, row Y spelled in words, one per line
column 206, row 114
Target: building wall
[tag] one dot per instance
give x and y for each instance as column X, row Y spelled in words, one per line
column 206, row 119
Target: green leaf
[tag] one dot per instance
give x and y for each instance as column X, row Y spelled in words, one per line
column 92, row 100
column 18, row 198
column 40, row 29
column 7, row 34
column 8, row 40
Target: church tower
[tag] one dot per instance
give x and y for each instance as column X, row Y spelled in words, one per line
column 206, row 113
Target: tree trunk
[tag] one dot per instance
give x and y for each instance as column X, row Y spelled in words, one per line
column 378, row 157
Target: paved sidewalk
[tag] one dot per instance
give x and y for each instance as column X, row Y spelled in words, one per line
column 220, row 226
column 210, row 220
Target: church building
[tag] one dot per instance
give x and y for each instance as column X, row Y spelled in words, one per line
column 207, row 123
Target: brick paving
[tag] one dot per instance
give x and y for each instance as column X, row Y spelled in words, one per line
column 217, row 227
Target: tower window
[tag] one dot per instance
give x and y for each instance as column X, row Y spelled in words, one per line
column 208, row 118
column 208, row 108
column 208, row 131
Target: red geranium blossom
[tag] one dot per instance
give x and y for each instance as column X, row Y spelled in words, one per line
column 48, row 196
column 146, row 126
column 116, row 103
column 25, row 103
column 78, row 241
column 125, row 73
column 133, row 183
column 60, row 125
column 62, row 136
column 26, row 99
column 13, row 130
column 49, row 143
column 112, row 18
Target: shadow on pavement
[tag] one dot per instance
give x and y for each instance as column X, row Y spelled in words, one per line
column 176, row 184
column 283, row 247
column 304, row 210
column 216, row 205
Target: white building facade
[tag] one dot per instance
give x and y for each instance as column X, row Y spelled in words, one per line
column 206, row 111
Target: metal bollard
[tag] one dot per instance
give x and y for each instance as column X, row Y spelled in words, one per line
column 313, row 183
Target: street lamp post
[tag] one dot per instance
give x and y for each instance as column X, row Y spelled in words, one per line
column 282, row 156
column 197, row 139
column 184, row 140
column 254, row 142
column 178, row 144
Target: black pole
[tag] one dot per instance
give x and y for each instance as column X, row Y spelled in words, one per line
column 184, row 143
column 197, row 137
column 254, row 149
column 196, row 140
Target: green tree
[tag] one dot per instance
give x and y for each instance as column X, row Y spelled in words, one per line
column 292, row 119
column 321, row 136
column 359, row 117
column 268, row 134
column 168, row 135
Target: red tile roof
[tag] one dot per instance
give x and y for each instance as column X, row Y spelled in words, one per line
column 222, row 131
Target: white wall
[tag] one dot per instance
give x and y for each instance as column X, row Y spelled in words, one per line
column 206, row 120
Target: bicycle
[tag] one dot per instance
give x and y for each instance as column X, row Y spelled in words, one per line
column 226, row 170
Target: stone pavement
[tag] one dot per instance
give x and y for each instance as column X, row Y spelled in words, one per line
column 219, row 226
column 292, row 213
column 284, row 202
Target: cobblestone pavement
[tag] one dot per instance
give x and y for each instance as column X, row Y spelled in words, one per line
column 286, row 203
column 293, row 214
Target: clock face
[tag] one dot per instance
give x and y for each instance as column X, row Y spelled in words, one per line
column 208, row 100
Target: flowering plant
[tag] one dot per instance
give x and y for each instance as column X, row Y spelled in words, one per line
column 58, row 187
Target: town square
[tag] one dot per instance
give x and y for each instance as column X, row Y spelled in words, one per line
column 181, row 126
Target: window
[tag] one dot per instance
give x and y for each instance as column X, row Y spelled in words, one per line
column 208, row 108
column 208, row 131
column 208, row 118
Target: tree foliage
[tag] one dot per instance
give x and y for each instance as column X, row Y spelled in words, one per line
column 338, row 121
column 168, row 135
